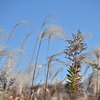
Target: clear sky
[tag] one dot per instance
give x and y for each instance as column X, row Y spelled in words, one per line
column 72, row 15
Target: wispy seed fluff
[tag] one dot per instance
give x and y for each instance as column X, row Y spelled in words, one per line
column 54, row 31
column 97, row 52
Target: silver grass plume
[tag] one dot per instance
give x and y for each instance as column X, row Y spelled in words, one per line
column 22, row 22
column 97, row 52
column 2, row 36
column 8, row 72
column 54, row 32
column 48, row 20
column 93, row 60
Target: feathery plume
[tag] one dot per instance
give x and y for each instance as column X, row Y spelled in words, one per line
column 54, row 31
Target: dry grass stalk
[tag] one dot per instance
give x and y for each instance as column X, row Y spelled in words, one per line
column 50, row 31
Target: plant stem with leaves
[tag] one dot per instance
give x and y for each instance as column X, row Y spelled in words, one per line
column 73, row 51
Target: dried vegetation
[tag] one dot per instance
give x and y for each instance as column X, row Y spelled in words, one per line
column 18, row 83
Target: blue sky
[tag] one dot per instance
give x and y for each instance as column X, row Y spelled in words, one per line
column 72, row 15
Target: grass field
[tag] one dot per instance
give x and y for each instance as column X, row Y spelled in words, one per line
column 18, row 83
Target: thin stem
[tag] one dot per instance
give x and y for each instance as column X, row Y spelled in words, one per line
column 47, row 69
column 46, row 60
column 35, row 66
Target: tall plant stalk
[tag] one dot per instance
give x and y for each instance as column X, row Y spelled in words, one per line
column 73, row 51
column 46, row 70
column 52, row 31
column 35, row 65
